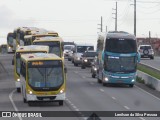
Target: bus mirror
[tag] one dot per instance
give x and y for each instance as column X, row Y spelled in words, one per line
column 65, row 70
column 138, row 57
column 12, row 61
column 102, row 55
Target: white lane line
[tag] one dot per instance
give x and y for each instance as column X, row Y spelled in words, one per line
column 147, row 92
column 13, row 104
column 91, row 83
column 141, row 118
column 101, row 90
column 126, row 107
column 114, row 98
column 83, row 77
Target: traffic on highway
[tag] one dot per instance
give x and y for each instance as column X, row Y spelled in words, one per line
column 42, row 76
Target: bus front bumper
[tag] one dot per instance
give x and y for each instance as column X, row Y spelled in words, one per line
column 119, row 79
column 32, row 97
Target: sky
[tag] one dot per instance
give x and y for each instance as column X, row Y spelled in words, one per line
column 78, row 20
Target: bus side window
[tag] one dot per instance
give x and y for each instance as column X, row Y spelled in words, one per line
column 23, row 69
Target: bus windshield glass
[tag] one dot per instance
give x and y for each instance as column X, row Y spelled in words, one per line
column 45, row 74
column 67, row 47
column 54, row 46
column 90, row 54
column 81, row 49
column 10, row 41
column 120, row 64
column 117, row 45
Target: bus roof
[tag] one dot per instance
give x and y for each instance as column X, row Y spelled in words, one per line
column 40, row 56
column 120, row 34
column 84, row 44
column 48, row 38
column 32, row 48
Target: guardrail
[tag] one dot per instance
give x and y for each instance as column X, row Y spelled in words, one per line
column 148, row 79
column 150, row 67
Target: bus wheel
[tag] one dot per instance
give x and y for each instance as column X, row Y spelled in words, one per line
column 30, row 103
column 18, row 90
column 131, row 85
column 93, row 75
column 104, row 84
column 61, row 103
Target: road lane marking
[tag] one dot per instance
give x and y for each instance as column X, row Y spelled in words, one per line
column 91, row 83
column 101, row 90
column 13, row 104
column 126, row 107
column 114, row 98
column 83, row 77
column 141, row 118
column 147, row 92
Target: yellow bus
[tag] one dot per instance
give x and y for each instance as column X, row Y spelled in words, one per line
column 16, row 60
column 28, row 39
column 3, row 48
column 43, row 78
column 10, row 41
column 54, row 43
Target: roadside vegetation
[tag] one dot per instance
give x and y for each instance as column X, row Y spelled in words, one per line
column 148, row 71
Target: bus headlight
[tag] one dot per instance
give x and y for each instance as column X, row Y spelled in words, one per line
column 61, row 91
column 95, row 69
column 17, row 45
column 9, row 47
column 18, row 79
column 133, row 80
column 85, row 60
column 106, row 79
column 30, row 92
column 78, row 58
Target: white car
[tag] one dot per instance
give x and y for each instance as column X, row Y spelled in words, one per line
column 146, row 51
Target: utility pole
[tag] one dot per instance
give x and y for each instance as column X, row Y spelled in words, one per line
column 150, row 37
column 135, row 17
column 101, row 28
column 115, row 17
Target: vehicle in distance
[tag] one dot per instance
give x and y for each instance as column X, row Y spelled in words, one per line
column 146, row 51
column 94, row 67
column 87, row 58
column 67, row 50
column 78, row 50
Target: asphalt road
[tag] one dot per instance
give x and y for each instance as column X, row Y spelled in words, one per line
column 154, row 63
column 83, row 94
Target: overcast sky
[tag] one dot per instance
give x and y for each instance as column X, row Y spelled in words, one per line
column 77, row 20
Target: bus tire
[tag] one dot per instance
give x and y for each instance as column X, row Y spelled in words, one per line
column 61, row 103
column 104, row 84
column 131, row 85
column 93, row 75
column 24, row 100
column 82, row 67
column 18, row 90
column 30, row 103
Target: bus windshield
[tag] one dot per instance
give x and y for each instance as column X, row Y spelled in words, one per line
column 120, row 64
column 45, row 75
column 54, row 46
column 10, row 41
column 81, row 49
column 117, row 45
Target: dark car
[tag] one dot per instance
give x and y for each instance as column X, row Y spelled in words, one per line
column 87, row 58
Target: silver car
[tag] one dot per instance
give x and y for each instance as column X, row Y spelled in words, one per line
column 146, row 51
